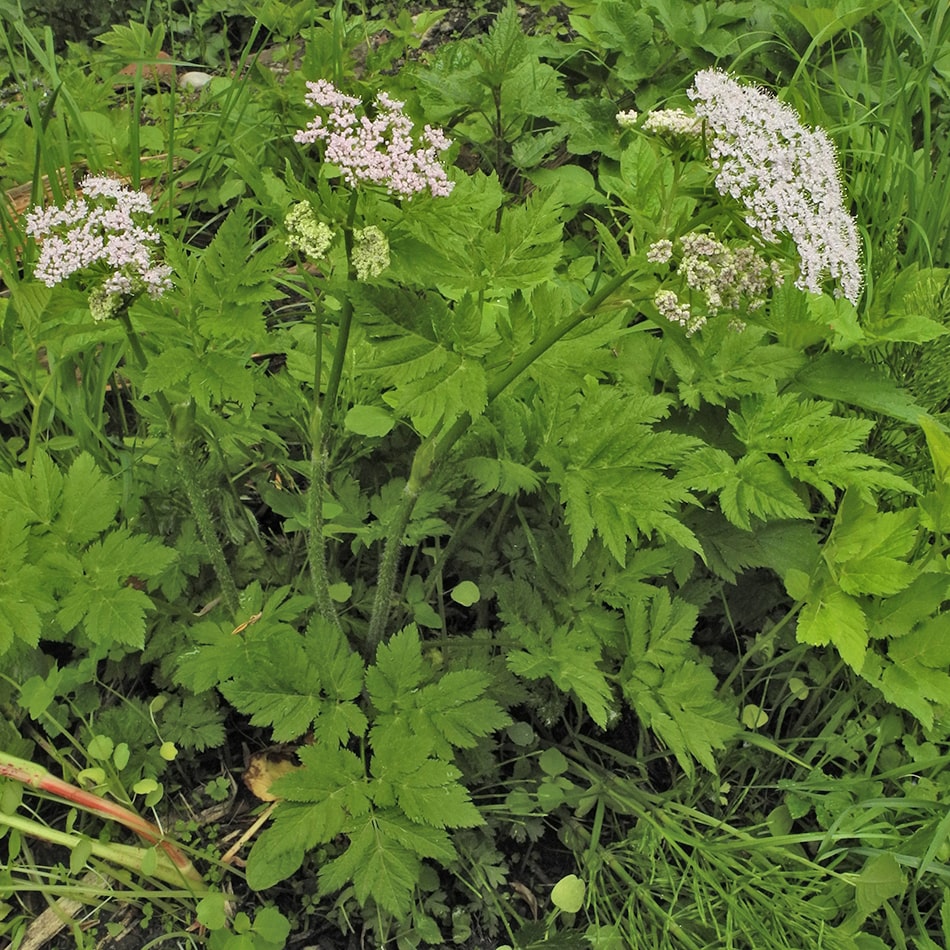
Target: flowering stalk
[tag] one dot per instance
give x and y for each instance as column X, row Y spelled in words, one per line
column 187, row 470
column 34, row 776
column 380, row 150
column 110, row 254
column 321, row 425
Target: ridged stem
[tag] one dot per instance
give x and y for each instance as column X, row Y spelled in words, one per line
column 321, row 426
column 187, row 470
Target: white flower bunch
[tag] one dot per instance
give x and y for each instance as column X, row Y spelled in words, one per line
column 786, row 176
column 378, row 149
column 99, row 230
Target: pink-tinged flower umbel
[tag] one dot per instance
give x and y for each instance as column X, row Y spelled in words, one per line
column 99, row 231
column 378, row 150
column 785, row 174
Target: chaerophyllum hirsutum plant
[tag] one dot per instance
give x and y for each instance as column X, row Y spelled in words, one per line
column 517, row 446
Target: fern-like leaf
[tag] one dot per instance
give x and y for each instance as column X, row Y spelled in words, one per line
column 616, row 472
column 669, row 687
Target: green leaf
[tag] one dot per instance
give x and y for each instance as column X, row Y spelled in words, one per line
column 857, row 383
column 24, row 587
column 759, row 487
column 421, row 839
column 101, row 597
column 719, row 365
column 527, row 247
column 814, row 446
column 90, row 501
column 457, row 710
column 867, row 548
column 39, row 495
column 879, row 881
column 466, row 593
column 211, row 912
column 568, row 894
column 272, row 927
column 426, row 789
column 398, row 669
column 212, row 376
column 369, row 420
column 422, row 354
column 832, row 616
column 615, row 479
column 323, row 797
column 915, row 675
column 273, row 858
column 291, row 683
column 379, row 867
column 214, row 655
column 668, row 686
column 825, row 22
column 440, row 716
column 939, row 444
column 552, row 761
column 570, row 661
column 234, row 277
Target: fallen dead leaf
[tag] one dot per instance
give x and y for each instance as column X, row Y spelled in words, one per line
column 262, row 769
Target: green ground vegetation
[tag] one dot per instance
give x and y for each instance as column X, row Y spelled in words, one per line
column 528, row 615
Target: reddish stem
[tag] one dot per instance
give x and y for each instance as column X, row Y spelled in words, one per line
column 35, row 776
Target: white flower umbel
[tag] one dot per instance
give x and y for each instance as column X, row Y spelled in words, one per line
column 729, row 278
column 786, row 176
column 671, row 307
column 627, row 120
column 673, row 122
column 380, row 149
column 99, row 232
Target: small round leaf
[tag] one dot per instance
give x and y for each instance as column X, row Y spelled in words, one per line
column 121, row 755
column 552, row 761
column 100, row 747
column 466, row 593
column 568, row 894
column 754, row 716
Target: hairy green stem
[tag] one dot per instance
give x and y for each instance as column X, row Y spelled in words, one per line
column 123, row 855
column 187, row 470
column 435, row 449
column 321, row 425
column 203, row 519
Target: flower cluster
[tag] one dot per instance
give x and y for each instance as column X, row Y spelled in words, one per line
column 729, row 278
column 725, row 278
column 627, row 120
column 671, row 307
column 379, row 150
column 99, row 230
column 307, row 234
column 370, row 252
column 785, row 174
column 673, row 122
